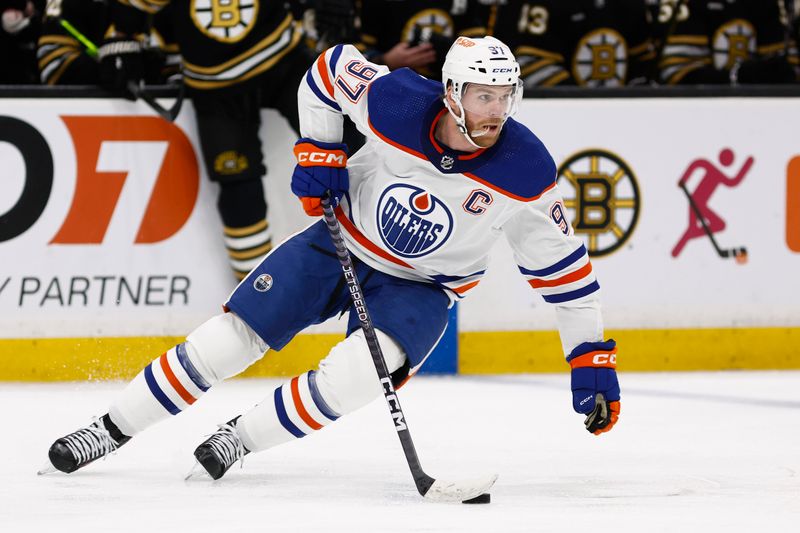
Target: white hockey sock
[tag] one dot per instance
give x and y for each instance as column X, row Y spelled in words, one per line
column 345, row 381
column 293, row 411
column 167, row 386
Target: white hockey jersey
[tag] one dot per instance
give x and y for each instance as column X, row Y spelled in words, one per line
column 419, row 210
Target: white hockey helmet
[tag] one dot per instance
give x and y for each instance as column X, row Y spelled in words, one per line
column 486, row 61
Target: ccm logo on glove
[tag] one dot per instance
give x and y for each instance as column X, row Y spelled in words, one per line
column 596, row 359
column 321, row 167
column 309, row 155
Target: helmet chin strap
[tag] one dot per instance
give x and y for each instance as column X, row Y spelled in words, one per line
column 461, row 121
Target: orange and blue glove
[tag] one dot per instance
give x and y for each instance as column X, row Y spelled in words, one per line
column 321, row 167
column 595, row 388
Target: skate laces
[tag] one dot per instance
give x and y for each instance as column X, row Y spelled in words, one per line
column 226, row 445
column 91, row 442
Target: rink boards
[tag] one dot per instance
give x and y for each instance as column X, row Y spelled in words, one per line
column 112, row 251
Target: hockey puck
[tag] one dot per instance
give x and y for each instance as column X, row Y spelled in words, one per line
column 483, row 498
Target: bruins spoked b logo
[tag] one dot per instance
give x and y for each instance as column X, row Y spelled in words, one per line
column 735, row 41
column 227, row 21
column 602, row 196
column 601, row 59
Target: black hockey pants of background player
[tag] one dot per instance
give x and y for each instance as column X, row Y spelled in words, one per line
column 228, row 123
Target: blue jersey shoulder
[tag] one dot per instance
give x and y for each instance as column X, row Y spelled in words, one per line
column 520, row 165
column 398, row 104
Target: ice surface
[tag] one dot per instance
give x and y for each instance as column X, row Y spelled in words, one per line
column 704, row 452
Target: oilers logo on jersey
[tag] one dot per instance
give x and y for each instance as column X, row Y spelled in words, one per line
column 412, row 222
column 263, row 283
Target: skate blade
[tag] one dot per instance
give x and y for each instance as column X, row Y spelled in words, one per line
column 197, row 472
column 46, row 469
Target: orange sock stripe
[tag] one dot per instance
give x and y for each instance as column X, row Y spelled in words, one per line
column 301, row 410
column 173, row 380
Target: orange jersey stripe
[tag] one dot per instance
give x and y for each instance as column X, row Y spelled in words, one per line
column 322, row 67
column 301, row 410
column 366, row 243
column 433, row 128
column 582, row 272
column 439, row 149
column 173, row 380
column 464, row 288
column 399, row 146
column 408, row 150
column 508, row 193
column 473, row 155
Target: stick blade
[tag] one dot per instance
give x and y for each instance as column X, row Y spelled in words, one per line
column 458, row 491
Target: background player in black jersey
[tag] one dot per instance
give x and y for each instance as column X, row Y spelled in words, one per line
column 789, row 11
column 237, row 58
column 72, row 31
column 723, row 42
column 590, row 43
column 417, row 34
column 328, row 22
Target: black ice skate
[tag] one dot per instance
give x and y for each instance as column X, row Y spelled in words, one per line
column 78, row 449
column 221, row 450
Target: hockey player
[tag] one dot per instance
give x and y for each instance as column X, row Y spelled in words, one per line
column 589, row 43
column 725, row 42
column 443, row 174
column 789, row 11
column 417, row 34
column 237, row 58
column 72, row 31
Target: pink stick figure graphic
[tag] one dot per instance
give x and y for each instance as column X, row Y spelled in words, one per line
column 711, row 222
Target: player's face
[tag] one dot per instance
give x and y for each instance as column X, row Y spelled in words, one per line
column 486, row 108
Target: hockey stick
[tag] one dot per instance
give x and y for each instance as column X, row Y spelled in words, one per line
column 134, row 88
column 740, row 254
column 428, row 487
column 139, row 91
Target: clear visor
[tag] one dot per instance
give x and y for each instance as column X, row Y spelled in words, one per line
column 491, row 102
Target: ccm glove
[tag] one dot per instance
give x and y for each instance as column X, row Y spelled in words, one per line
column 595, row 389
column 321, row 167
column 121, row 62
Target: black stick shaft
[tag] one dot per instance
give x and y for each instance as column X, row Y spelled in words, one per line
column 421, row 479
column 720, row 251
column 167, row 114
